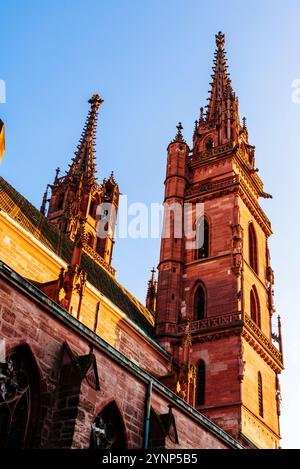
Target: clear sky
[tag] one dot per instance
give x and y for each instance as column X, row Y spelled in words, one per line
column 151, row 62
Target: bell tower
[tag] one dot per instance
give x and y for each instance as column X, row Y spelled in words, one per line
column 78, row 202
column 221, row 287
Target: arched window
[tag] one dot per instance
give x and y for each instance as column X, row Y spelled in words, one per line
column 209, row 144
column 60, row 201
column 260, row 395
column 253, row 248
column 199, row 306
column 202, row 238
column 19, row 399
column 254, row 306
column 92, row 210
column 108, row 431
column 200, row 383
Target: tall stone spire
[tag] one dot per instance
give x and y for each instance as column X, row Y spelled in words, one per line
column 221, row 89
column 77, row 197
column 222, row 109
column 84, row 161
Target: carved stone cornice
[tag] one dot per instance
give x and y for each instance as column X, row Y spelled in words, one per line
column 212, row 322
column 262, row 345
column 213, row 195
column 212, row 186
column 226, row 325
column 234, row 184
column 216, row 335
column 255, row 209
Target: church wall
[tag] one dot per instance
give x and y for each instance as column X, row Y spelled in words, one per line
column 250, row 277
column 263, row 431
column 23, row 320
column 32, row 260
column 222, row 386
column 215, row 271
column 190, row 434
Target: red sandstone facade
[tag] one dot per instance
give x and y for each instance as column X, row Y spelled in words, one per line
column 222, row 291
column 84, row 364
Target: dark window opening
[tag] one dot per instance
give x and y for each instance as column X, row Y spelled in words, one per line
column 200, row 304
column 92, row 210
column 200, row 383
column 60, row 202
column 209, row 144
column 108, row 430
column 253, row 248
column 255, row 307
column 19, row 400
column 260, row 395
column 202, row 239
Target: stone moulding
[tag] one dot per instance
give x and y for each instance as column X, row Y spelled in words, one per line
column 211, row 329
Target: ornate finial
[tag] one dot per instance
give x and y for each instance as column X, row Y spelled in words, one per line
column 195, row 128
column 96, row 101
column 57, row 171
column 201, row 118
column 152, row 292
column 244, row 123
column 44, row 202
column 179, row 127
column 179, row 137
column 81, row 236
column 220, row 40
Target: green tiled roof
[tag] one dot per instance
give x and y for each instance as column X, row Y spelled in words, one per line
column 22, row 211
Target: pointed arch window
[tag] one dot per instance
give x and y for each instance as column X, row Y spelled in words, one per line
column 209, row 144
column 19, row 400
column 200, row 304
column 260, row 395
column 108, row 431
column 92, row 210
column 253, row 259
column 254, row 306
column 202, row 238
column 60, row 202
column 200, row 383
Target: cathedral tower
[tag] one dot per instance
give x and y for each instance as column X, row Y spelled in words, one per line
column 77, row 198
column 221, row 287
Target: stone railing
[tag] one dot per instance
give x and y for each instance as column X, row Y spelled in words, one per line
column 213, row 186
column 96, row 257
column 213, row 322
column 262, row 338
column 215, row 151
column 232, row 319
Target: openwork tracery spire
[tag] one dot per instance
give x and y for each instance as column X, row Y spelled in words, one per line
column 84, row 160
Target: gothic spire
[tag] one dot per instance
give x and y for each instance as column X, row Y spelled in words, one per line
column 84, row 161
column 221, row 89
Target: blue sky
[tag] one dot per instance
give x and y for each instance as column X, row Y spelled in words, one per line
column 151, row 62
